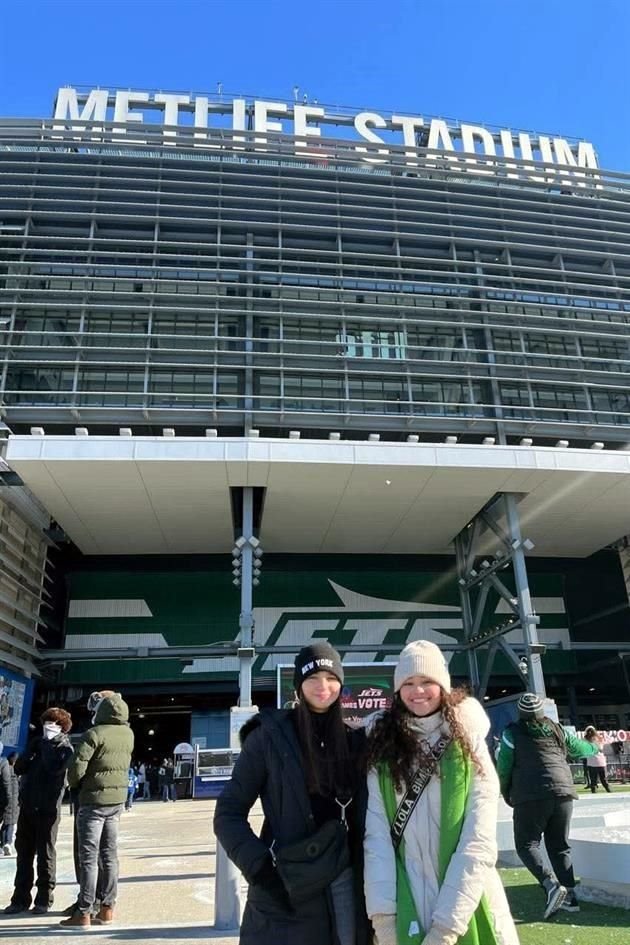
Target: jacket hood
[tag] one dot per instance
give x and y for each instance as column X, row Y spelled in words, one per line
column 112, row 710
column 474, row 717
column 268, row 718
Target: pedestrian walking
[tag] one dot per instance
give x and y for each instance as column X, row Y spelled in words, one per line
column 100, row 769
column 537, row 782
column 144, row 791
column 9, row 807
column 306, row 767
column 430, row 834
column 168, row 781
column 42, row 770
column 132, row 783
column 596, row 764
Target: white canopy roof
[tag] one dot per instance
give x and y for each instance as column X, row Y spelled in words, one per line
column 170, row 495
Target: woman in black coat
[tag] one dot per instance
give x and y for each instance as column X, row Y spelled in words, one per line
column 304, row 764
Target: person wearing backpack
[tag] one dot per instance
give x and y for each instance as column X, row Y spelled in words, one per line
column 537, row 782
column 430, row 834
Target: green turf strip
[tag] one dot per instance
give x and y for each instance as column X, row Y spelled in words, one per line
column 593, row 925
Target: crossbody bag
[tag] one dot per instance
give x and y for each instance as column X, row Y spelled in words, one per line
column 307, row 867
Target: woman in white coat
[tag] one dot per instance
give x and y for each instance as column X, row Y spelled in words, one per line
column 439, row 884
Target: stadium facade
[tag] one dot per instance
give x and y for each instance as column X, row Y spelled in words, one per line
column 344, row 338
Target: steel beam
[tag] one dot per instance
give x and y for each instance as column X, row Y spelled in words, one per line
column 246, row 620
column 498, row 518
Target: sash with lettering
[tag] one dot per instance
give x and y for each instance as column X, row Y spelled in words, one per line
column 456, row 775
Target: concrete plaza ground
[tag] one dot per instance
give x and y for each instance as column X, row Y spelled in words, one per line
column 166, row 893
column 167, row 859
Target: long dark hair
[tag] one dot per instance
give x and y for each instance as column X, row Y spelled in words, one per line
column 394, row 742
column 327, row 766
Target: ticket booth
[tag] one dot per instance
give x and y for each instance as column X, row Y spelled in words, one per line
column 212, row 770
column 184, row 760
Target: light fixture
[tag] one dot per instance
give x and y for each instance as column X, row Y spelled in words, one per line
column 388, row 482
column 140, row 715
column 151, row 731
column 592, row 689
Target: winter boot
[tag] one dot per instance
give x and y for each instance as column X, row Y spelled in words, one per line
column 105, row 916
column 77, row 921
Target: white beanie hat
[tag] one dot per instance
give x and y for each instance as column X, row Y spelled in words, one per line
column 422, row 658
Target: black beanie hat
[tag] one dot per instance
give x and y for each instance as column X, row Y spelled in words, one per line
column 316, row 658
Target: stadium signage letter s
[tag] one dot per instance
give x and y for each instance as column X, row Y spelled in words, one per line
column 388, row 135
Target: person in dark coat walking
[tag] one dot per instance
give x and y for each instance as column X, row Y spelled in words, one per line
column 9, row 806
column 42, row 768
column 304, row 764
column 537, row 782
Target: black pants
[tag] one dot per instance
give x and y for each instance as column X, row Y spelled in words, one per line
column 36, row 837
column 595, row 774
column 549, row 818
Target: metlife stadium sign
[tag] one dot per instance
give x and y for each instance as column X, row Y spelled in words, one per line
column 422, row 142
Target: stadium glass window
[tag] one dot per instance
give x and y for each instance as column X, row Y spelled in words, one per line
column 567, row 401
column 380, row 344
column 611, row 402
column 515, row 400
column 312, row 393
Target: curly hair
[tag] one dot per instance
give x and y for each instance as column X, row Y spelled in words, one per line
column 394, row 742
column 60, row 716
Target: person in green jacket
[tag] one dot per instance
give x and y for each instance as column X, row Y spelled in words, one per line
column 99, row 770
column 536, row 781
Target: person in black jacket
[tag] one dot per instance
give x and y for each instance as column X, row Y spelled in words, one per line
column 42, row 768
column 8, row 802
column 537, row 782
column 304, row 764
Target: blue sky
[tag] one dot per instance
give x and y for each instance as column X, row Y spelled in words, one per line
column 556, row 66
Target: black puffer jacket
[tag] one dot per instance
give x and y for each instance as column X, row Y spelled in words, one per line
column 43, row 773
column 270, row 768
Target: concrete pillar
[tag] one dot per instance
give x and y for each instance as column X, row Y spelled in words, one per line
column 227, row 893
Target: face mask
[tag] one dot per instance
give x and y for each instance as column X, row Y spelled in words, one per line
column 51, row 730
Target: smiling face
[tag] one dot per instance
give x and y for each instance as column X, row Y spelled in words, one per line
column 320, row 690
column 420, row 695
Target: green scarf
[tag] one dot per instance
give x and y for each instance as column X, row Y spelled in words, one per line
column 456, row 777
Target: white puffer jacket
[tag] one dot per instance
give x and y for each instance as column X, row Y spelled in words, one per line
column 471, row 871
